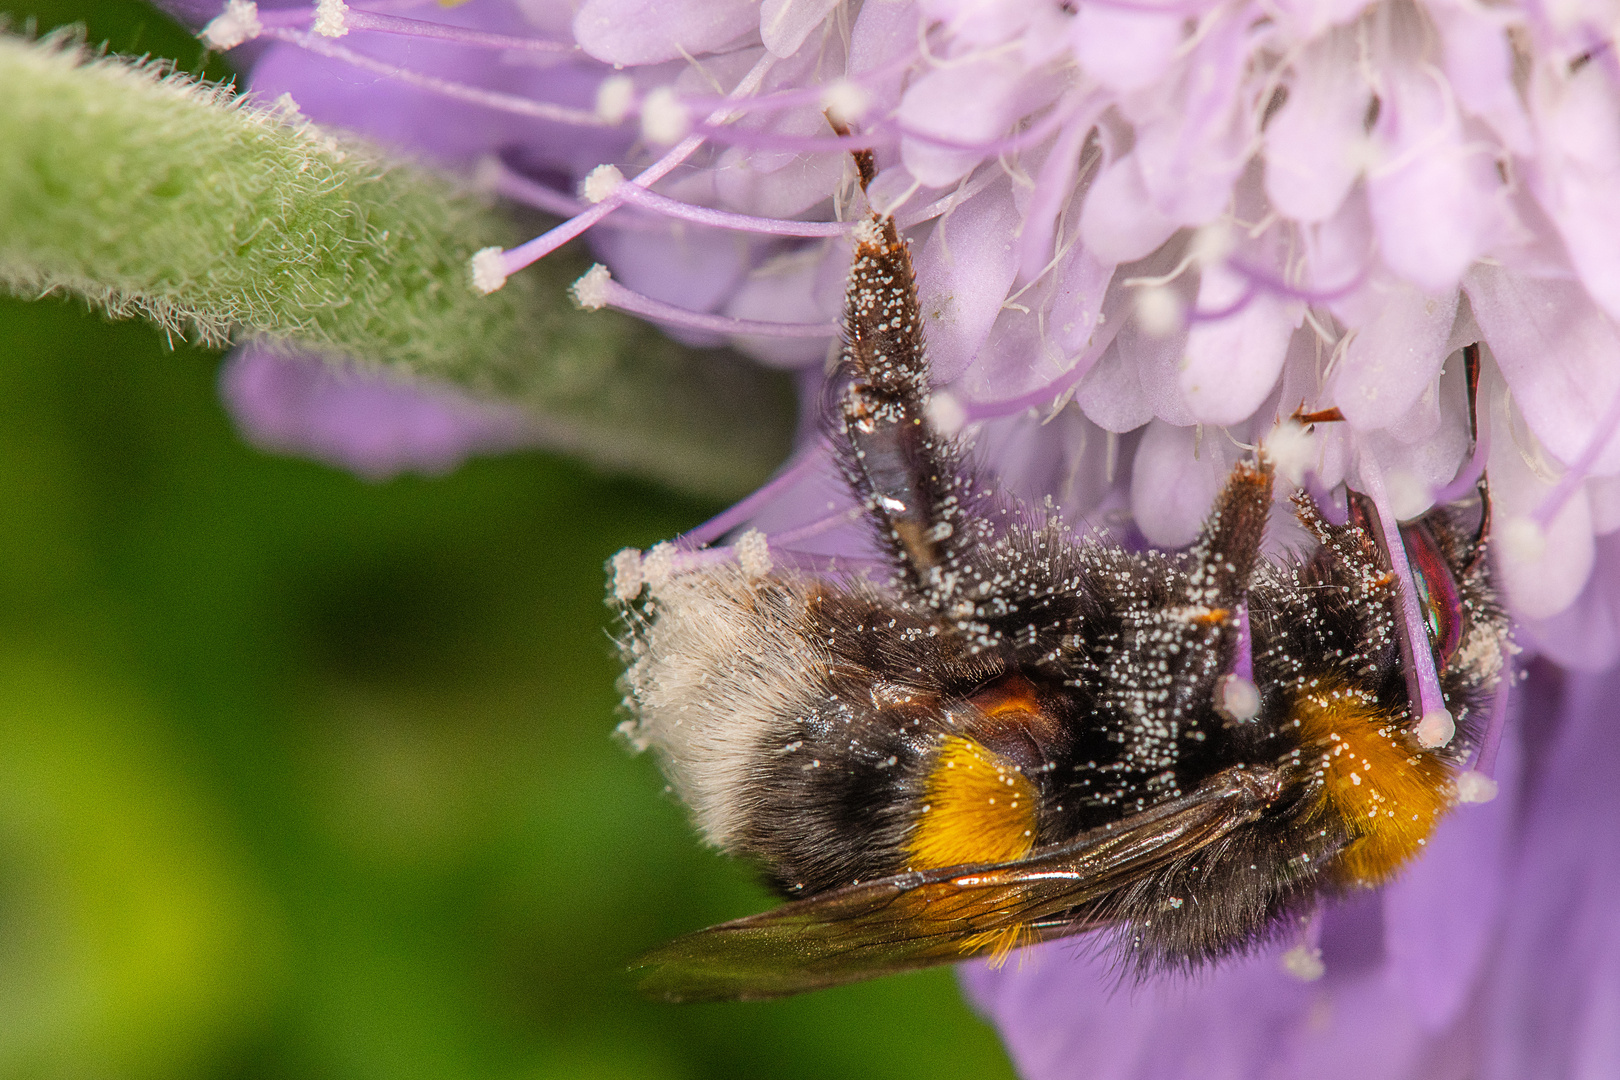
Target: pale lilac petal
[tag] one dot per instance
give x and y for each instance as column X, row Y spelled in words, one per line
column 1194, row 136
column 967, row 103
column 1586, row 635
column 1393, row 359
column 1557, row 351
column 1119, row 222
column 1125, row 49
column 1111, row 394
column 1437, row 947
column 784, row 24
column 1230, row 365
column 977, row 23
column 365, row 422
column 882, row 33
column 652, row 31
column 1540, row 583
column 1064, row 1017
column 1308, row 18
column 1433, row 196
column 805, row 286
column 1478, row 62
column 1555, row 993
column 1315, row 146
column 1579, row 178
column 963, row 273
column 1174, row 481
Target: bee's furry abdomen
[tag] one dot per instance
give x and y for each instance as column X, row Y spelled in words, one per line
column 717, row 668
column 795, row 718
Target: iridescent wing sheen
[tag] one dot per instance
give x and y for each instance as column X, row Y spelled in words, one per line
column 923, row 918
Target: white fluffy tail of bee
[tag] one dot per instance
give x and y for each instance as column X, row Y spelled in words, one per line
column 717, row 669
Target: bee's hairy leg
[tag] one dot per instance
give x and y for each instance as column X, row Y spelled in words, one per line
column 909, row 474
column 1224, row 556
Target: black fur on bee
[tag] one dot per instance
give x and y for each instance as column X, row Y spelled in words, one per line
column 1025, row 734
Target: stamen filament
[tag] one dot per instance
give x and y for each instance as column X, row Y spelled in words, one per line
column 382, row 23
column 517, row 258
column 1435, row 726
column 722, row 219
column 728, row 519
column 598, row 289
column 491, row 99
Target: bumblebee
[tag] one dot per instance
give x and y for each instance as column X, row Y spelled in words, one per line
column 1024, row 734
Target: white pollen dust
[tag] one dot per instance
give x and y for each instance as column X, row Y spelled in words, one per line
column 753, row 554
column 615, row 95
column 1158, row 311
column 488, row 269
column 590, row 291
column 627, row 576
column 945, row 413
column 331, row 18
column 658, row 565
column 1475, row 787
column 1523, row 540
column 1435, row 729
column 239, row 22
column 1292, row 450
column 845, row 101
column 664, row 120
column 601, row 182
column 1304, row 963
column 1237, row 698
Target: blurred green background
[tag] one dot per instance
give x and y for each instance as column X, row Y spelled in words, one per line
column 306, row 777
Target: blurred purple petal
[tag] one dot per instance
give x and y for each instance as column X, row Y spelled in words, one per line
column 365, row 422
column 652, row 31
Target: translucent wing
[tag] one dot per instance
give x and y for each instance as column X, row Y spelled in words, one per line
column 920, row 919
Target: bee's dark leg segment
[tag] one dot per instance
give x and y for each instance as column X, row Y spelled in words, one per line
column 1223, row 559
column 908, row 474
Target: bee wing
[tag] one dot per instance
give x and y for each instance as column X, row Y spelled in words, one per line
column 920, row 919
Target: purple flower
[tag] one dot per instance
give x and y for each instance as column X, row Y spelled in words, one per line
column 1146, row 234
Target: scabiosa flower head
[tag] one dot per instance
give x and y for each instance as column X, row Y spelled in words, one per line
column 1147, row 235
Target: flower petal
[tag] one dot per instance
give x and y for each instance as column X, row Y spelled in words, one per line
column 1394, row 359
column 652, row 31
column 1174, row 480
column 784, row 24
column 1315, row 144
column 1433, row 199
column 963, row 273
column 1557, row 351
column 364, row 422
column 1230, row 365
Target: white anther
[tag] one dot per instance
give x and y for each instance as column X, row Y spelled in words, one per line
column 753, row 554
column 1158, row 311
column 845, row 100
column 331, row 18
column 1291, row 448
column 1523, row 541
column 658, row 565
column 627, row 577
column 1409, row 496
column 1304, row 963
column 590, row 291
column 664, row 119
column 601, row 182
column 1212, row 243
column 1475, row 787
column 488, row 269
column 1237, row 698
column 615, row 95
column 239, row 22
column 1435, row 729
column 945, row 413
